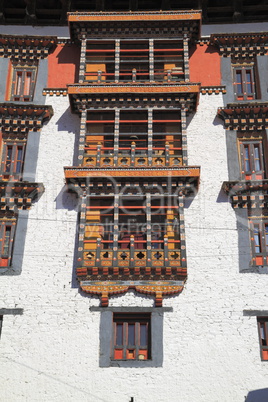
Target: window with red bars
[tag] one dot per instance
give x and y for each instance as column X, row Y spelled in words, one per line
column 23, row 83
column 244, row 82
column 259, row 241
column 131, row 336
column 252, row 160
column 7, row 228
column 263, row 336
column 13, row 159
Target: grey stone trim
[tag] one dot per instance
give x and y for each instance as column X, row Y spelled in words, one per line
column 106, row 333
column 4, row 71
column 227, row 79
column 41, row 82
column 232, row 155
column 243, row 240
column 31, row 155
column 18, row 246
column 11, row 311
column 261, row 72
column 255, row 313
column 131, row 309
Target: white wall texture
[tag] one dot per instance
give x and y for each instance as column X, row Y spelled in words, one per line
column 211, row 351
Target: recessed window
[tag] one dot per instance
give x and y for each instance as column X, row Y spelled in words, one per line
column 263, row 336
column 131, row 337
column 259, row 241
column 23, row 83
column 252, row 160
column 7, row 232
column 244, row 82
column 13, row 159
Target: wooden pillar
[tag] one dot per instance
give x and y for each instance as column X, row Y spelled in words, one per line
column 82, row 67
column 182, row 231
column 117, row 60
column 82, row 138
column 116, row 136
column 184, row 138
column 151, row 59
column 150, row 137
column 116, row 230
column 149, row 230
column 186, row 59
column 81, row 235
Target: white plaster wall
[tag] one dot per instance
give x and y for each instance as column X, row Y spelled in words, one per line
column 211, row 352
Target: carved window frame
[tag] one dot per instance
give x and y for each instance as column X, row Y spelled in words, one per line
column 23, row 82
column 244, row 79
column 252, row 159
column 13, row 155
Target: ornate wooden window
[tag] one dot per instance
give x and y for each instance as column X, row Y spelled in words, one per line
column 133, row 138
column 23, row 83
column 244, row 81
column 7, row 228
column 132, row 60
column 259, row 241
column 13, row 159
column 252, row 159
column 131, row 336
column 263, row 336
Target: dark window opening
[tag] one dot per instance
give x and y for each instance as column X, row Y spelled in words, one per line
column 131, row 336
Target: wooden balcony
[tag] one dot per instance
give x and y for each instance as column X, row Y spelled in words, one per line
column 106, row 157
column 144, row 263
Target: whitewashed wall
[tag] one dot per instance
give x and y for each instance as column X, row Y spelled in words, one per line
column 211, row 352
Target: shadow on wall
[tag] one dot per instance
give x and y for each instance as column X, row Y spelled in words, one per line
column 259, row 395
column 70, row 54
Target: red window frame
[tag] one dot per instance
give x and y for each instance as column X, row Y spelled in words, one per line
column 259, row 241
column 23, row 83
column 131, row 336
column 263, row 336
column 7, row 233
column 244, row 82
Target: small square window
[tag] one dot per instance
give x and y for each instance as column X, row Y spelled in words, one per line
column 131, row 336
column 23, row 83
column 263, row 336
column 244, row 81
